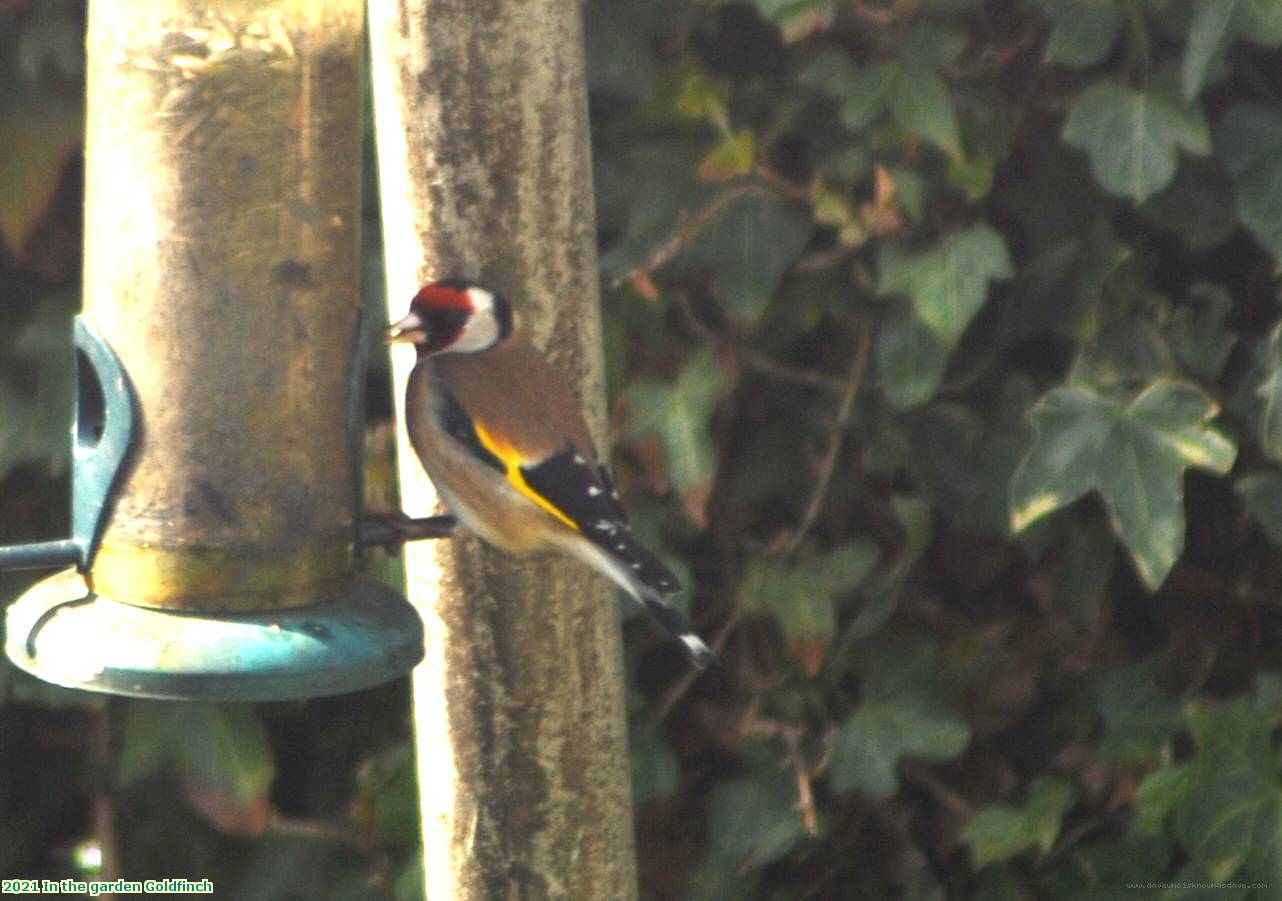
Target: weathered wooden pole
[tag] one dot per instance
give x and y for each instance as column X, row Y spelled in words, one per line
column 485, row 171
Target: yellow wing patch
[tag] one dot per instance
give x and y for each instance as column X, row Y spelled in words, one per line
column 512, row 460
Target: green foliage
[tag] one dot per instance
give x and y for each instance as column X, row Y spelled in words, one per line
column 1133, row 137
column 754, row 822
column 41, row 112
column 948, row 285
column 221, row 753
column 1243, row 136
column 804, row 596
column 944, row 346
column 1224, row 805
column 36, row 389
column 908, row 709
column 1134, row 453
column 678, row 414
column 999, row 832
column 985, row 490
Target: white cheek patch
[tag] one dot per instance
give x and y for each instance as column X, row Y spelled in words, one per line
column 482, row 329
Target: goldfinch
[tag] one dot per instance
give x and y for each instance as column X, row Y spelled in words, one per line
column 503, row 439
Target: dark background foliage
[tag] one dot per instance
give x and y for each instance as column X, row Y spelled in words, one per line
column 943, row 366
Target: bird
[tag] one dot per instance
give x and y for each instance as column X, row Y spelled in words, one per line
column 504, row 440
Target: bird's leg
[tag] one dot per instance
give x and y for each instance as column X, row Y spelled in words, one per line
column 390, row 529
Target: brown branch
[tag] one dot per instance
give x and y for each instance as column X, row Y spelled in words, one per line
column 687, row 231
column 792, row 735
column 782, row 185
column 753, row 360
column 805, row 792
column 945, row 795
column 823, row 260
column 104, row 819
column 281, row 824
column 882, row 15
column 829, row 463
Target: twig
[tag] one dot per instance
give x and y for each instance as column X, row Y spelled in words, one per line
column 751, row 358
column 689, row 229
column 823, row 260
column 792, row 735
column 280, row 824
column 829, row 463
column 104, row 819
column 945, row 795
column 782, row 185
column 882, row 15
column 805, row 793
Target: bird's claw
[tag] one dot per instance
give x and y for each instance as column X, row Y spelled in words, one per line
column 391, row 529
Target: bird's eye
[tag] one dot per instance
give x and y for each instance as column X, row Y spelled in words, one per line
column 448, row 321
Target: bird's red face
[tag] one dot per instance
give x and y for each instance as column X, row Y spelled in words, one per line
column 453, row 315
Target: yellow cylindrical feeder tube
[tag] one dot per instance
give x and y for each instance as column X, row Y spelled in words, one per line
column 222, row 263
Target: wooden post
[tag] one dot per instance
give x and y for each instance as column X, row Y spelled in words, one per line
column 485, row 172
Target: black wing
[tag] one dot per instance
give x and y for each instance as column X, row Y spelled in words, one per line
column 585, row 495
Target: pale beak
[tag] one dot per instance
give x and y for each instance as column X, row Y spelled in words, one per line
column 410, row 330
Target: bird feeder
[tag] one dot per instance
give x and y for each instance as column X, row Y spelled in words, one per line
column 216, row 489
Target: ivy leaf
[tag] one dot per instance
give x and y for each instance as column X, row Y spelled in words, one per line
column 619, row 59
column 908, row 87
column 864, row 96
column 908, row 709
column 1262, row 494
column 641, row 193
column 754, row 821
column 221, row 752
column 797, row 18
column 51, row 41
column 916, row 520
column 911, row 359
column 919, row 101
column 654, row 767
column 1085, row 570
column 948, row 284
column 1208, row 33
column 1133, row 138
column 1232, row 786
column 1134, row 454
column 1246, row 141
column 1270, row 392
column 1259, row 21
column 1138, row 715
column 1059, row 290
column 704, row 97
column 1159, row 794
column 1082, row 33
column 678, row 414
column 36, row 403
column 747, row 247
column 803, row 596
column 39, row 129
column 965, row 464
column 1198, row 205
column 733, row 157
column 1000, row 832
column 1199, row 333
column 388, row 788
column 1105, row 869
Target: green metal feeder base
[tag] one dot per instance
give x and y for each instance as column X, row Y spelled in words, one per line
column 59, row 632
